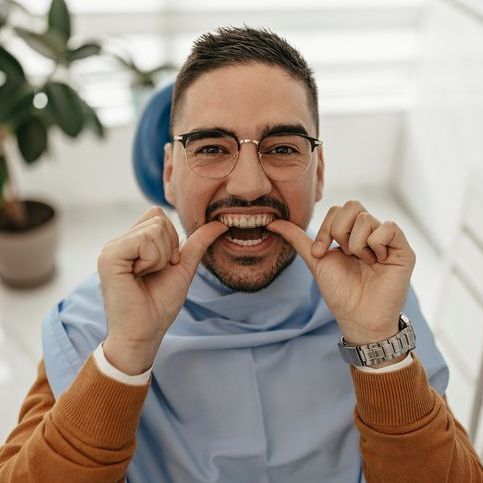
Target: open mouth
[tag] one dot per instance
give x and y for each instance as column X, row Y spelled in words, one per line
column 246, row 230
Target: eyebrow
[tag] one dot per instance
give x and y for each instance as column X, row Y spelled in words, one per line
column 281, row 128
column 267, row 130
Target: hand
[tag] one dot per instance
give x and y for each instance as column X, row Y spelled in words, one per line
column 365, row 281
column 145, row 277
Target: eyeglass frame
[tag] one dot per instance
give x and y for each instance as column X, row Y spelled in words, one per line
column 183, row 138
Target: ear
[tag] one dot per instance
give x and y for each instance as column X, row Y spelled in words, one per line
column 319, row 174
column 168, row 173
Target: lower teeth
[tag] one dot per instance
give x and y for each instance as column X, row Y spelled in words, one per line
column 247, row 243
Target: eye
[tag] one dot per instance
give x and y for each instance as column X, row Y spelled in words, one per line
column 211, row 149
column 282, row 149
column 211, row 146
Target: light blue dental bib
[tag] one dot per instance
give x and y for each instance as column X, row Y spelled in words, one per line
column 246, row 388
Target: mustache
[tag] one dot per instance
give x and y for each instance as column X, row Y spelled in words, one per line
column 262, row 201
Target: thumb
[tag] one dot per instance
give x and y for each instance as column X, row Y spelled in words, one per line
column 195, row 246
column 297, row 238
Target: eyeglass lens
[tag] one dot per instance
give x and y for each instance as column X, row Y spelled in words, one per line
column 283, row 157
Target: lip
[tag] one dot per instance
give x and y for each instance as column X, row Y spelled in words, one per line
column 266, row 245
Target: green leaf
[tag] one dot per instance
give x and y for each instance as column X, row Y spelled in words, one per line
column 10, row 65
column 46, row 116
column 15, row 102
column 92, row 121
column 127, row 63
column 23, row 111
column 3, row 173
column 86, row 50
column 49, row 44
column 59, row 19
column 32, row 139
column 143, row 80
column 161, row 68
column 66, row 107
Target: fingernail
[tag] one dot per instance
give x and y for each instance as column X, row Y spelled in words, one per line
column 318, row 248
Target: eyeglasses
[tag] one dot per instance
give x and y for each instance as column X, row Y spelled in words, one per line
column 284, row 156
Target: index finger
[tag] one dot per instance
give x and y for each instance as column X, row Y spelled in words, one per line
column 324, row 237
column 148, row 214
column 297, row 238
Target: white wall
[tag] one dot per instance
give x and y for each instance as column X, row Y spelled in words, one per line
column 85, row 171
column 444, row 143
column 443, row 153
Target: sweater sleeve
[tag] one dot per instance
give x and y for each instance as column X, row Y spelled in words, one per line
column 87, row 435
column 408, row 432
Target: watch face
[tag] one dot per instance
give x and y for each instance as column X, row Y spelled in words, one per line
column 403, row 321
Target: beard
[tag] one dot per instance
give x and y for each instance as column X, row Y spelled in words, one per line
column 237, row 280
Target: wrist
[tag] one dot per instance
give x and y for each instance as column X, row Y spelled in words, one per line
column 130, row 358
column 382, row 352
column 363, row 337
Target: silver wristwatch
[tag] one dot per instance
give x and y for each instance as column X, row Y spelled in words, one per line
column 382, row 351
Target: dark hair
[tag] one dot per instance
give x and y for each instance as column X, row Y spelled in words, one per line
column 243, row 45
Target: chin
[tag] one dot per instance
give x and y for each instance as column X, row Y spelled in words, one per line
column 248, row 273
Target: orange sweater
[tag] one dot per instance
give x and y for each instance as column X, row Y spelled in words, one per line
column 408, row 433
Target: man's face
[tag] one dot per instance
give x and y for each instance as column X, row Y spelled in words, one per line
column 246, row 100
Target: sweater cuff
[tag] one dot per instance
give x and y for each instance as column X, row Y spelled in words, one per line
column 101, row 407
column 393, row 367
column 394, row 398
column 109, row 370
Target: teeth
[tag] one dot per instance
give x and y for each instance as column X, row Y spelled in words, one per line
column 247, row 243
column 246, row 221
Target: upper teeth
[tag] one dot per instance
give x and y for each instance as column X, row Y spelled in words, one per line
column 246, row 221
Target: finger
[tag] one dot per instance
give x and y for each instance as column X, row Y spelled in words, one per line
column 324, row 238
column 297, row 238
column 389, row 244
column 121, row 256
column 157, row 236
column 364, row 225
column 167, row 226
column 343, row 222
column 195, row 246
column 151, row 212
column 149, row 256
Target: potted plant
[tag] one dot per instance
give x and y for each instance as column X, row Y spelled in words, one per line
column 29, row 111
column 143, row 81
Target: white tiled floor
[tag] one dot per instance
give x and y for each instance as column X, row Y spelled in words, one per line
column 84, row 232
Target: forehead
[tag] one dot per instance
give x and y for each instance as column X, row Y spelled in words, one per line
column 245, row 99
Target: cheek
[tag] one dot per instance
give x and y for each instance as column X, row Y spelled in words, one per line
column 193, row 195
column 300, row 198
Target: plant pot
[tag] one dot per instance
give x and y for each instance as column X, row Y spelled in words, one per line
column 27, row 256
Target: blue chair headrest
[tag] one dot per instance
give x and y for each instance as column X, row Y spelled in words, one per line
column 152, row 134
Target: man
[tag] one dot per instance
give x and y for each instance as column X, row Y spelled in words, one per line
column 228, row 370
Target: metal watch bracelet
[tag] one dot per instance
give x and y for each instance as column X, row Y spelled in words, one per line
column 383, row 350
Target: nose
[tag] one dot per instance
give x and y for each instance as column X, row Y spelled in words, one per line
column 248, row 180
